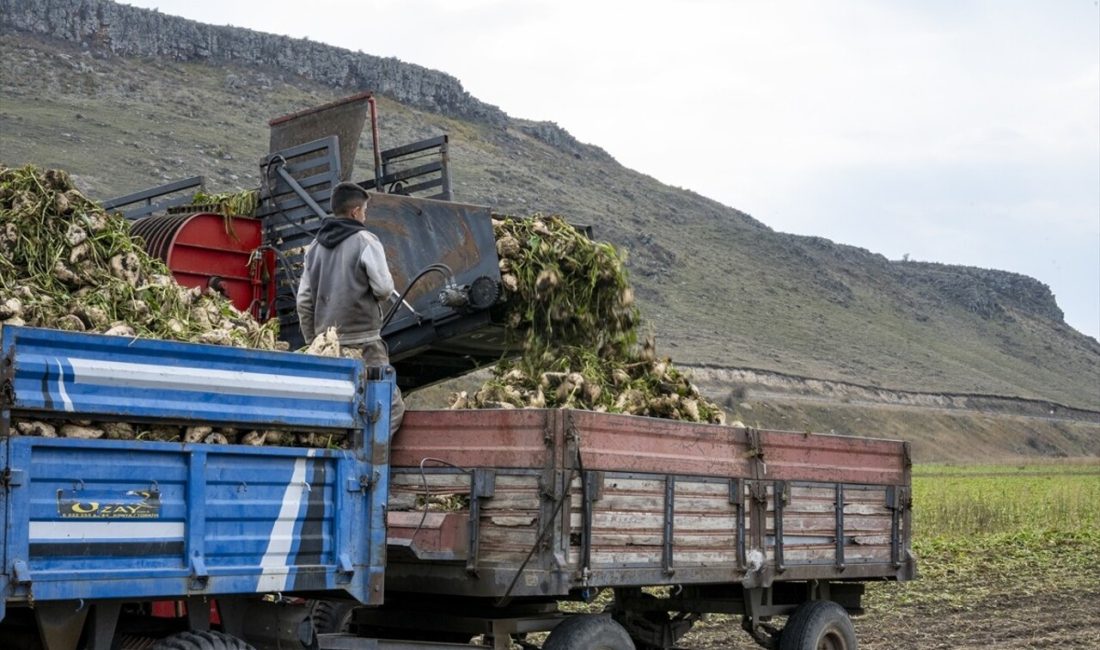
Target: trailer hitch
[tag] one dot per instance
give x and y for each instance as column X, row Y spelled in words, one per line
column 200, row 577
column 12, row 477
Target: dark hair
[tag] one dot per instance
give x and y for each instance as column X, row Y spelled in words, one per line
column 347, row 196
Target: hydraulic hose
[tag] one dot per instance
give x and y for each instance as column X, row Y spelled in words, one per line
column 442, row 269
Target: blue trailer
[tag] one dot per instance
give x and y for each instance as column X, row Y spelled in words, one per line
column 92, row 529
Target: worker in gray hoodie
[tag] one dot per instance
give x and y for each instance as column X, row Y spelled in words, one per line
column 345, row 278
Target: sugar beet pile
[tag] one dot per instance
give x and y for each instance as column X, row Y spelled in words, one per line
column 68, row 264
column 571, row 300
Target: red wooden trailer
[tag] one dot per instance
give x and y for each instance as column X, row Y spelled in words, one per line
column 497, row 515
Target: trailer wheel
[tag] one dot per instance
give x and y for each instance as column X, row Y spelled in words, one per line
column 589, row 632
column 201, row 641
column 331, row 616
column 818, row 625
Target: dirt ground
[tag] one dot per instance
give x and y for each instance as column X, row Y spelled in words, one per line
column 1042, row 605
column 1013, row 621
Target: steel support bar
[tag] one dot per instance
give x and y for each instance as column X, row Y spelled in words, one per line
column 589, row 489
column 154, row 192
column 779, row 495
column 300, row 191
column 102, row 624
column 840, row 526
column 670, row 528
column 737, row 497
column 482, row 486
column 415, row 147
column 894, row 504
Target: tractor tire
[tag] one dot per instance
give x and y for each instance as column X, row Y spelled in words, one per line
column 818, row 625
column 331, row 616
column 201, row 641
column 589, row 632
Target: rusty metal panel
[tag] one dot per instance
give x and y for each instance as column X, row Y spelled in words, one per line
column 438, row 341
column 428, row 535
column 628, row 443
column 832, row 459
column 487, row 438
column 418, row 232
column 343, row 118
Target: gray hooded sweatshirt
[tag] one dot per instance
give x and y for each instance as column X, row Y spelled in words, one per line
column 343, row 279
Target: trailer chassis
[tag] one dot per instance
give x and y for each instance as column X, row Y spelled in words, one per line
column 652, row 622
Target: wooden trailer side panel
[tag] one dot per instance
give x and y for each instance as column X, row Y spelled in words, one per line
column 507, row 522
column 704, row 524
column 573, row 499
column 814, row 532
column 628, row 522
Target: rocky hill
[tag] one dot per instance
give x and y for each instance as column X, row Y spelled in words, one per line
column 126, row 98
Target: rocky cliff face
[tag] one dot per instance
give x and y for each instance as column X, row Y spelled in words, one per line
column 119, row 29
column 986, row 292
column 103, row 27
column 990, row 294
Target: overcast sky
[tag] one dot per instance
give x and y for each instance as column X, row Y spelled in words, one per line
column 963, row 132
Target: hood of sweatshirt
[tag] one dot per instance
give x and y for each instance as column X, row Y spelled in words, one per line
column 336, row 229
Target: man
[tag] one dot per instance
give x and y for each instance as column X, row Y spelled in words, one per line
column 344, row 280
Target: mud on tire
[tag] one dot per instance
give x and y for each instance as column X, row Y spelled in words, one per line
column 589, row 632
column 818, row 625
column 331, row 616
column 201, row 641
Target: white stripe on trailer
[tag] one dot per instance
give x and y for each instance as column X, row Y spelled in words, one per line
column 274, row 562
column 61, row 388
column 97, row 530
column 236, row 382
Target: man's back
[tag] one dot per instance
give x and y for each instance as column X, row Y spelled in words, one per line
column 343, row 278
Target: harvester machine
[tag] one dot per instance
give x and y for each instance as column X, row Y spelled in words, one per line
column 442, row 321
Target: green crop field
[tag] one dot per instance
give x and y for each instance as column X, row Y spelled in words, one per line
column 1008, row 557
column 961, row 502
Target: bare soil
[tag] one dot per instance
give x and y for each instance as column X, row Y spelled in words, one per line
column 1068, row 620
column 1042, row 606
